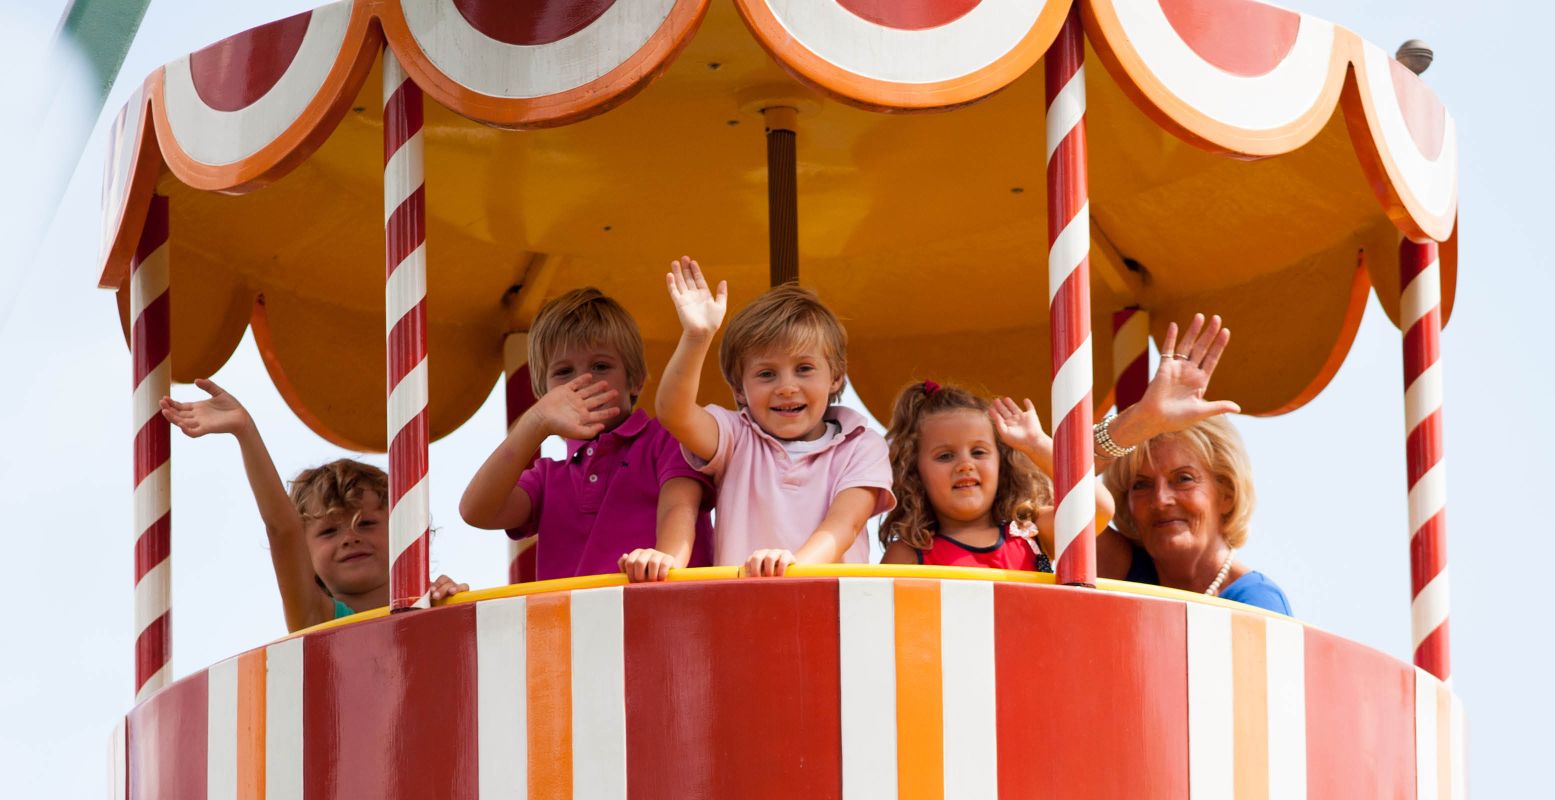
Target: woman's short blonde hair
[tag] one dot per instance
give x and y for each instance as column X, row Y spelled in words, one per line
column 784, row 318
column 580, row 318
column 1219, row 447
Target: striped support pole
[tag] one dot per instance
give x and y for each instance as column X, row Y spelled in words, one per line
column 1421, row 318
column 1130, row 355
column 1069, row 296
column 404, row 212
column 520, row 395
column 150, row 355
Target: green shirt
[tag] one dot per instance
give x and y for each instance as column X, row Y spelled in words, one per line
column 342, row 610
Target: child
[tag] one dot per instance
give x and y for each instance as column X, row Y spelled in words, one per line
column 968, row 483
column 329, row 540
column 797, row 476
column 623, row 498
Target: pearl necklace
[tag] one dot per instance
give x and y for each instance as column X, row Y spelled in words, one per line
column 1214, row 585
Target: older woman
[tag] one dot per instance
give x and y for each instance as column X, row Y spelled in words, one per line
column 1182, row 482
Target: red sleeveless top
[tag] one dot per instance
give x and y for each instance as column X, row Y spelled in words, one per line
column 1009, row 552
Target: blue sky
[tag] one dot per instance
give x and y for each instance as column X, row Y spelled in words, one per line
column 1330, row 525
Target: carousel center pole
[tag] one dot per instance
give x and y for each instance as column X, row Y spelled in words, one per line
column 151, row 357
column 1130, row 356
column 519, row 396
column 404, row 211
column 782, row 193
column 1420, row 315
column 1069, row 298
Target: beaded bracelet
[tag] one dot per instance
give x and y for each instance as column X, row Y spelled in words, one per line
column 1104, row 444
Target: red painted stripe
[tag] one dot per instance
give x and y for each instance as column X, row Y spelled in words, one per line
column 408, row 457
column 398, row 724
column 406, row 229
column 407, row 343
column 1422, row 345
column 1433, row 655
column 910, row 15
column 150, row 338
column 233, row 73
column 766, row 722
column 1346, row 683
column 1066, row 179
column 408, row 574
column 153, row 545
column 1427, row 552
column 152, row 647
column 1132, row 382
column 1413, row 258
column 153, row 447
column 1424, row 446
column 167, row 740
column 402, row 118
column 1246, row 39
column 1114, row 690
column 153, row 233
column 1071, row 310
column 1064, row 56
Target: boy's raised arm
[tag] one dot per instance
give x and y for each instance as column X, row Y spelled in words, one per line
column 701, row 313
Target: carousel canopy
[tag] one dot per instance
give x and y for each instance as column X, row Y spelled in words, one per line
column 1244, row 160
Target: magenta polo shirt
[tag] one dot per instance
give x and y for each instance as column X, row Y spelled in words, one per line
column 603, row 500
column 769, row 499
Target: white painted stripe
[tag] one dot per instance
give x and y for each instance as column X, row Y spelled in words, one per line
column 1285, row 647
column 145, row 401
column 866, row 611
column 1130, row 342
column 1423, row 397
column 402, row 175
column 393, row 73
column 1072, row 246
column 1076, row 510
column 598, row 694
column 1429, row 608
column 1066, row 111
column 118, row 762
column 149, row 280
column 1428, row 496
column 221, row 731
column 1425, row 736
column 406, row 286
column 152, row 497
column 408, row 398
column 408, row 519
column 1460, row 775
column 153, row 595
column 501, row 710
column 1073, row 382
column 1421, row 295
column 158, row 679
column 968, row 691
column 283, row 720
column 1211, row 724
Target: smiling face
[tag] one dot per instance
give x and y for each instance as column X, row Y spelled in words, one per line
column 603, row 363
column 351, row 559
column 1176, row 503
column 787, row 393
column 958, row 460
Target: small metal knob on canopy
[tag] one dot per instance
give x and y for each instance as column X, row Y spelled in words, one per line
column 1415, row 55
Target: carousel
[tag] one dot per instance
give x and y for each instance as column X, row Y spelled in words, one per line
column 1012, row 194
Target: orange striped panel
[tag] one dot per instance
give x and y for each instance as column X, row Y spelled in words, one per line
column 251, row 725
column 1250, row 690
column 920, row 724
column 548, row 648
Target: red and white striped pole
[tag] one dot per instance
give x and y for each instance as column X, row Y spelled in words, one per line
column 404, row 212
column 151, row 345
column 520, row 395
column 1130, row 356
column 1420, row 315
column 1069, row 297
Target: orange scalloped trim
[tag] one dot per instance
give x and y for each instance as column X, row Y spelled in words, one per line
column 145, row 167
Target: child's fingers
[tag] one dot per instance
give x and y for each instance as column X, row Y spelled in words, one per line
column 209, row 386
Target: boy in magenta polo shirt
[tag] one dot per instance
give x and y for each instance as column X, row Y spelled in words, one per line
column 624, row 498
column 797, row 477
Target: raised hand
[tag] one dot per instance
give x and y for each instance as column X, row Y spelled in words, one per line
column 1021, row 428
column 222, row 413
column 577, row 409
column 1174, row 400
column 700, row 311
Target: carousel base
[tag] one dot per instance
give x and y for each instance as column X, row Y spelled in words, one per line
column 850, row 681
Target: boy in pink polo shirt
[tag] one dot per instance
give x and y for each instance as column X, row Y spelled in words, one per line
column 624, row 498
column 797, row 477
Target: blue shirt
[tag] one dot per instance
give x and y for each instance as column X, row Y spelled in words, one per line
column 1255, row 589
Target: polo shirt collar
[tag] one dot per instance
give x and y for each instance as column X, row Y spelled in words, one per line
column 847, row 419
column 629, row 429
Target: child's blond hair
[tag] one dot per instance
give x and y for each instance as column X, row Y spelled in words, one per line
column 584, row 317
column 338, row 486
column 785, row 318
column 1021, row 489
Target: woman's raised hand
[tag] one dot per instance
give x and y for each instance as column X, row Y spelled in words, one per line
column 700, row 311
column 1020, row 428
column 1174, row 399
column 222, row 413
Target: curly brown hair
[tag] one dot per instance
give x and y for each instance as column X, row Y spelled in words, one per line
column 1022, row 487
column 337, row 486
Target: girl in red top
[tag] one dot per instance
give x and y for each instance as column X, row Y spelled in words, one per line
column 969, row 482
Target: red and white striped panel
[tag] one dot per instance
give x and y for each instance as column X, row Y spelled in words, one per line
column 1130, row 355
column 518, row 395
column 151, row 359
column 1416, row 143
column 1069, row 297
column 1421, row 320
column 404, row 213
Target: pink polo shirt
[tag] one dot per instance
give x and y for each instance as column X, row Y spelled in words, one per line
column 769, row 499
column 603, row 500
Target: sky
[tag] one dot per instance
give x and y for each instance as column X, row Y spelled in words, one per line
column 1330, row 525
